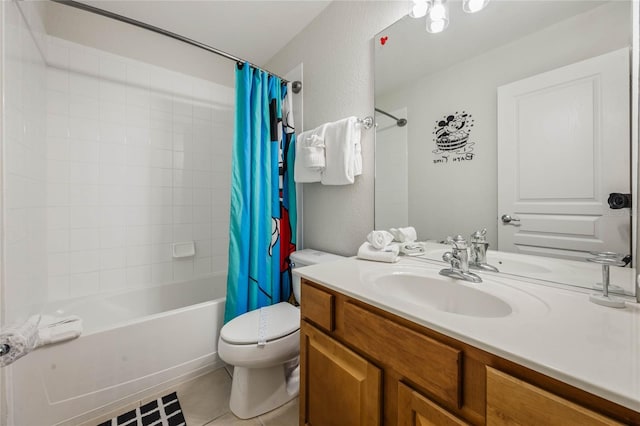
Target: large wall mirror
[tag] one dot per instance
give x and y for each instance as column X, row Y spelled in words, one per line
column 517, row 119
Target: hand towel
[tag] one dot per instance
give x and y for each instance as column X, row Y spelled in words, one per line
column 302, row 174
column 312, row 153
column 341, row 139
column 388, row 254
column 379, row 239
column 357, row 155
column 404, row 235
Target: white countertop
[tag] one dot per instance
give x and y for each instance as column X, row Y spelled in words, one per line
column 554, row 331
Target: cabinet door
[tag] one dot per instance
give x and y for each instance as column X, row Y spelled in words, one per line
column 416, row 410
column 512, row 401
column 338, row 387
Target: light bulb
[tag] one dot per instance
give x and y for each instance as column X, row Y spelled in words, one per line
column 438, row 17
column 436, row 26
column 439, row 11
column 473, row 6
column 420, row 8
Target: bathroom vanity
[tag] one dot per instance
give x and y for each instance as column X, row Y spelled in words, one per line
column 396, row 344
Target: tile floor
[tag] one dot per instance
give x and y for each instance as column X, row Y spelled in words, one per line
column 205, row 401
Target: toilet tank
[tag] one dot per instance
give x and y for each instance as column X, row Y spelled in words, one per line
column 308, row 257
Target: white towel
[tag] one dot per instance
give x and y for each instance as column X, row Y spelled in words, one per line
column 357, row 155
column 54, row 330
column 342, row 140
column 404, row 235
column 379, row 239
column 38, row 330
column 388, row 254
column 312, row 153
column 302, row 174
column 412, row 248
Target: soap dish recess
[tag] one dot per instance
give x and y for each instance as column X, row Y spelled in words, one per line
column 184, row 249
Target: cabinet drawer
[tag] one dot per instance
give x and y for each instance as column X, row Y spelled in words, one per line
column 318, row 307
column 428, row 363
column 513, row 401
column 416, row 410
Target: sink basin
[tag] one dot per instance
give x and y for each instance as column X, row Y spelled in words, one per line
column 442, row 294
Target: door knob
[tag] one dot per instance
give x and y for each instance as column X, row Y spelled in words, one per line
column 508, row 219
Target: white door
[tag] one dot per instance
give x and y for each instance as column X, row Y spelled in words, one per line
column 563, row 147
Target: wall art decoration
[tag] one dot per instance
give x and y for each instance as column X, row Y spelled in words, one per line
column 451, row 135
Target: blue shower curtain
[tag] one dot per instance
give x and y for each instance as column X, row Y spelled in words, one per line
column 260, row 194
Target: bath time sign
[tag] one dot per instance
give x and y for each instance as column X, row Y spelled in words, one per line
column 451, row 135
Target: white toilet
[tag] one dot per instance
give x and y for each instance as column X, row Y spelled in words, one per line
column 263, row 346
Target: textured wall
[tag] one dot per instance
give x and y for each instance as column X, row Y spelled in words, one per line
column 337, row 52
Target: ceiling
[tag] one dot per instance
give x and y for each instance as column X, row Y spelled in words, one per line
column 252, row 30
column 468, row 35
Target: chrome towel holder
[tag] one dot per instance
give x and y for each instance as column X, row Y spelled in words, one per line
column 366, row 122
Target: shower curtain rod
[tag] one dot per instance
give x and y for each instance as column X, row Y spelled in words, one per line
column 121, row 18
column 400, row 122
column 383, row 112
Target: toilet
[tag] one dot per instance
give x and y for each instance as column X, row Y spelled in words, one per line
column 264, row 347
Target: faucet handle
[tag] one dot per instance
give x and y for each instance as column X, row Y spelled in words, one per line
column 479, row 236
column 458, row 242
column 451, row 259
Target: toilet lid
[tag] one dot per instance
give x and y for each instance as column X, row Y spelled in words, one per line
column 277, row 321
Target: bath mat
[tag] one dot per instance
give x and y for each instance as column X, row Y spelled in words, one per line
column 165, row 411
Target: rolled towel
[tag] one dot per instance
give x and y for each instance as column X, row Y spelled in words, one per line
column 18, row 340
column 412, row 248
column 368, row 252
column 379, row 239
column 404, row 235
column 312, row 153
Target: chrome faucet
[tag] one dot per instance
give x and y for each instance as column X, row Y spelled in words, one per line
column 479, row 246
column 458, row 257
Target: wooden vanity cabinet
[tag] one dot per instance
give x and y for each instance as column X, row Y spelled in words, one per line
column 414, row 409
column 361, row 365
column 513, row 401
column 341, row 388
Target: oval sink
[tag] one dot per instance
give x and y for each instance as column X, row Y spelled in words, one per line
column 441, row 294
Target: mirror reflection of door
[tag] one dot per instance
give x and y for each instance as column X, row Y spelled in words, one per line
column 563, row 147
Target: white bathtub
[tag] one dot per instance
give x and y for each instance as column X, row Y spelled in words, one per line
column 134, row 344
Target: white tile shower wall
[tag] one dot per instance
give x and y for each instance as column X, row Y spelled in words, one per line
column 23, row 169
column 138, row 157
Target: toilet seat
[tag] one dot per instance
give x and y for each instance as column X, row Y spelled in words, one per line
column 262, row 325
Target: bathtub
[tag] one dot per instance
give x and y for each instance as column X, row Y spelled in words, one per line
column 134, row 343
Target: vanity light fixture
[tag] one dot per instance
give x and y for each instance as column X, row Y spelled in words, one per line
column 420, row 8
column 473, row 6
column 438, row 16
column 437, row 11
